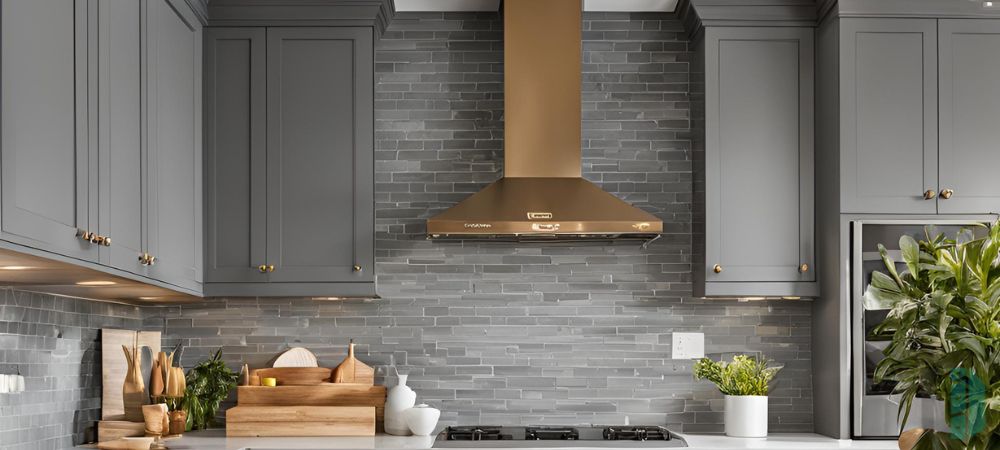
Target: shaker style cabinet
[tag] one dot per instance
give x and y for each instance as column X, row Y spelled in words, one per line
column 889, row 139
column 290, row 161
column 121, row 151
column 916, row 104
column 47, row 182
column 174, row 142
column 758, row 156
column 969, row 149
column 101, row 135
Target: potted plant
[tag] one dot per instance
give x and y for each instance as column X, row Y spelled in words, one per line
column 208, row 384
column 745, row 383
column 944, row 333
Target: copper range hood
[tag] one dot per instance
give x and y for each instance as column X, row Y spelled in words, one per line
column 542, row 193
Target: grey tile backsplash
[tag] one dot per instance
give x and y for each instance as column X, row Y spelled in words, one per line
column 491, row 333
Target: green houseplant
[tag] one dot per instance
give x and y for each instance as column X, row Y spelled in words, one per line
column 208, row 384
column 745, row 383
column 944, row 337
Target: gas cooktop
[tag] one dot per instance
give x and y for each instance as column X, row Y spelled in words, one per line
column 628, row 436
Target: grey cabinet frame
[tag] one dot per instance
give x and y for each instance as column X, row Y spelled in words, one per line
column 121, row 150
column 758, row 279
column 223, row 181
column 969, row 152
column 166, row 226
column 363, row 160
column 233, row 271
column 874, row 129
column 25, row 223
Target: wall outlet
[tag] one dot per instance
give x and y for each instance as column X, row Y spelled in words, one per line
column 688, row 346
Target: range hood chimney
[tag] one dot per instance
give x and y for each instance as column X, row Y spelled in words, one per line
column 543, row 193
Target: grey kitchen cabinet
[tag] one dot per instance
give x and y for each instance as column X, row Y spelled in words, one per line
column 47, row 183
column 173, row 139
column 758, row 157
column 235, row 162
column 888, row 107
column 121, row 153
column 969, row 58
column 303, row 217
column 916, row 101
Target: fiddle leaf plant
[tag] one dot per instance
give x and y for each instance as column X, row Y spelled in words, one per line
column 943, row 332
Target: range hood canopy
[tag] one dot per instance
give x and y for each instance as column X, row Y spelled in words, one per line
column 543, row 193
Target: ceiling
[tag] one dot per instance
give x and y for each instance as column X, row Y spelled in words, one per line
column 493, row 5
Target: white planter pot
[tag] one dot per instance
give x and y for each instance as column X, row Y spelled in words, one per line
column 746, row 416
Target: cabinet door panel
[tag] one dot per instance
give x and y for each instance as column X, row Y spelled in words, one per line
column 759, row 206
column 120, row 144
column 45, row 151
column 174, row 146
column 235, row 163
column 319, row 154
column 970, row 102
column 888, row 115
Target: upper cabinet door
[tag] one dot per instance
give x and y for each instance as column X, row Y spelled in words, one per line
column 320, row 162
column 888, row 101
column 235, row 155
column 44, row 154
column 970, row 102
column 173, row 106
column 759, row 156
column 120, row 146
column 888, row 104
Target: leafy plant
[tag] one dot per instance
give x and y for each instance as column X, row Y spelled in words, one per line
column 944, row 334
column 746, row 375
column 208, row 384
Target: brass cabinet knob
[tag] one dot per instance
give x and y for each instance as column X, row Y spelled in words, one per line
column 107, row 241
column 270, row 268
column 947, row 193
column 929, row 194
column 357, row 268
column 804, row 268
column 146, row 259
column 717, row 269
column 262, row 268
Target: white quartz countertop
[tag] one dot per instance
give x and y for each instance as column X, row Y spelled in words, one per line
column 217, row 440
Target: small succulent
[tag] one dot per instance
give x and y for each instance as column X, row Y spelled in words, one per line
column 746, row 375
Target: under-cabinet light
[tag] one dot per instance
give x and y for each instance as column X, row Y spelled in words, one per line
column 96, row 283
column 16, row 267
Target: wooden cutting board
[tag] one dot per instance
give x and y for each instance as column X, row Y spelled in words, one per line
column 326, row 394
column 256, row 421
column 296, row 357
column 110, row 430
column 113, row 367
column 293, row 376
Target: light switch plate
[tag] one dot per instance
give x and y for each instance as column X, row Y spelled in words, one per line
column 688, row 346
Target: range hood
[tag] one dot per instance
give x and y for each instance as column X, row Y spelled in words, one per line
column 543, row 193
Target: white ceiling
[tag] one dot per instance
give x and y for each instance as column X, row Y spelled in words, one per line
column 493, row 5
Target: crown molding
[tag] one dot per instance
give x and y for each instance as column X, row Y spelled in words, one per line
column 363, row 13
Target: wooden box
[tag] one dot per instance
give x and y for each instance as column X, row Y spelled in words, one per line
column 281, row 421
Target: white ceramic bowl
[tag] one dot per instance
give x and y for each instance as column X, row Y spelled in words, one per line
column 422, row 419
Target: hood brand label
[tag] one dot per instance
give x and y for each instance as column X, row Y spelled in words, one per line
column 478, row 226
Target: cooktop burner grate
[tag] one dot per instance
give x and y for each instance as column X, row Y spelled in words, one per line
column 476, row 433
